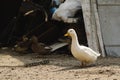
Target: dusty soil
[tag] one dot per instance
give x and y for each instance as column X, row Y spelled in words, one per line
column 60, row 67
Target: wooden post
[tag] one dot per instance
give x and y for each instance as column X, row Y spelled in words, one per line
column 98, row 28
column 90, row 30
column 92, row 26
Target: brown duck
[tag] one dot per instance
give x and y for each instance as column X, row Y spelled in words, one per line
column 39, row 48
column 23, row 45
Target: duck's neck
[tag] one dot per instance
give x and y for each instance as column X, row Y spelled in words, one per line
column 75, row 40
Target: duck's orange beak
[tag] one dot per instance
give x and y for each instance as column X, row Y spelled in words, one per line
column 67, row 34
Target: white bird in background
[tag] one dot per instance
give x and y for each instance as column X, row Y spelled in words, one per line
column 85, row 54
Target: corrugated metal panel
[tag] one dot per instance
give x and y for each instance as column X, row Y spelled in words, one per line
column 108, row 2
column 110, row 25
column 113, row 51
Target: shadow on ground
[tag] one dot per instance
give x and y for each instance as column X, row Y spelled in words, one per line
column 10, row 58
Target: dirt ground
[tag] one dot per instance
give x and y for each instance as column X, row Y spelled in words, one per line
column 59, row 67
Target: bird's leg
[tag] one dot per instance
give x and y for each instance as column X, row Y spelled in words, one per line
column 83, row 64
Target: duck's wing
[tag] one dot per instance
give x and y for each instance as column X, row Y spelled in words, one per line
column 89, row 51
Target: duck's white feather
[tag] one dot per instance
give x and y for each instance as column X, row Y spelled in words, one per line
column 82, row 53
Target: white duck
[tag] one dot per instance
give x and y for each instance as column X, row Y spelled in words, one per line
column 85, row 54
